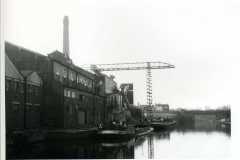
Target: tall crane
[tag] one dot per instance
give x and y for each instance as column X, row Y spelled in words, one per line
column 148, row 66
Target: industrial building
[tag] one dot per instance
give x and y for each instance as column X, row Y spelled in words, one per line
column 72, row 97
column 129, row 87
column 23, row 92
column 53, row 93
column 161, row 107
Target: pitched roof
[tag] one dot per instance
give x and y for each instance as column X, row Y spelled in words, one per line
column 9, row 45
column 32, row 77
column 26, row 73
column 10, row 70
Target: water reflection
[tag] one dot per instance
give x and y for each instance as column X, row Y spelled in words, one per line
column 162, row 135
column 206, row 127
column 190, row 142
column 195, row 141
column 150, row 147
column 76, row 149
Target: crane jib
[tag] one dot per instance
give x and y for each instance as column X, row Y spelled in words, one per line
column 148, row 66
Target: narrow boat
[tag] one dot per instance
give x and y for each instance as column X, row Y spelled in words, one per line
column 225, row 121
column 141, row 131
column 115, row 134
column 71, row 133
column 118, row 144
column 162, row 124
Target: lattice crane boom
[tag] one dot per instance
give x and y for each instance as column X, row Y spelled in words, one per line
column 148, row 66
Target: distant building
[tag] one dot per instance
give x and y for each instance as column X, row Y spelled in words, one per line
column 115, row 110
column 114, row 106
column 158, row 110
column 161, row 107
column 162, row 110
column 147, row 110
column 129, row 92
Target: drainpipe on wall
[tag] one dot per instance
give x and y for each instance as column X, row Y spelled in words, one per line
column 25, row 103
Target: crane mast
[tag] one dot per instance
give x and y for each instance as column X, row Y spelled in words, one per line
column 148, row 66
column 149, row 84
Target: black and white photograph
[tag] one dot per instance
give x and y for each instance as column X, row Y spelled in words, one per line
column 119, row 79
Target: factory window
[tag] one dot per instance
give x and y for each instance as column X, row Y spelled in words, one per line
column 74, row 76
column 68, row 93
column 33, row 90
column 64, row 73
column 84, row 81
column 79, row 79
column 73, row 94
column 57, row 74
column 70, row 76
column 37, row 90
column 15, row 86
column 65, row 93
column 91, row 85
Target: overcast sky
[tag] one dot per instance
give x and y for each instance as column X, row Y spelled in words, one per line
column 201, row 38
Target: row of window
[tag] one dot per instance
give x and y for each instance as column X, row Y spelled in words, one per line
column 33, row 90
column 18, row 87
column 63, row 74
column 17, row 107
column 87, row 100
column 14, row 86
column 70, row 93
column 84, row 81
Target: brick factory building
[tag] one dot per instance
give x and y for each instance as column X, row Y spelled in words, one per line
column 23, row 98
column 72, row 97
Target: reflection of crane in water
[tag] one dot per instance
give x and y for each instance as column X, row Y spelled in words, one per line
column 150, row 147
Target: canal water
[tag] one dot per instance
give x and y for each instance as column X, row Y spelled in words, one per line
column 211, row 143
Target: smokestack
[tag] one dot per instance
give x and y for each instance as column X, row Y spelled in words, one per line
column 66, row 37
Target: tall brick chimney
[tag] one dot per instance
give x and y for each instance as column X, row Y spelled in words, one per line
column 66, row 37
